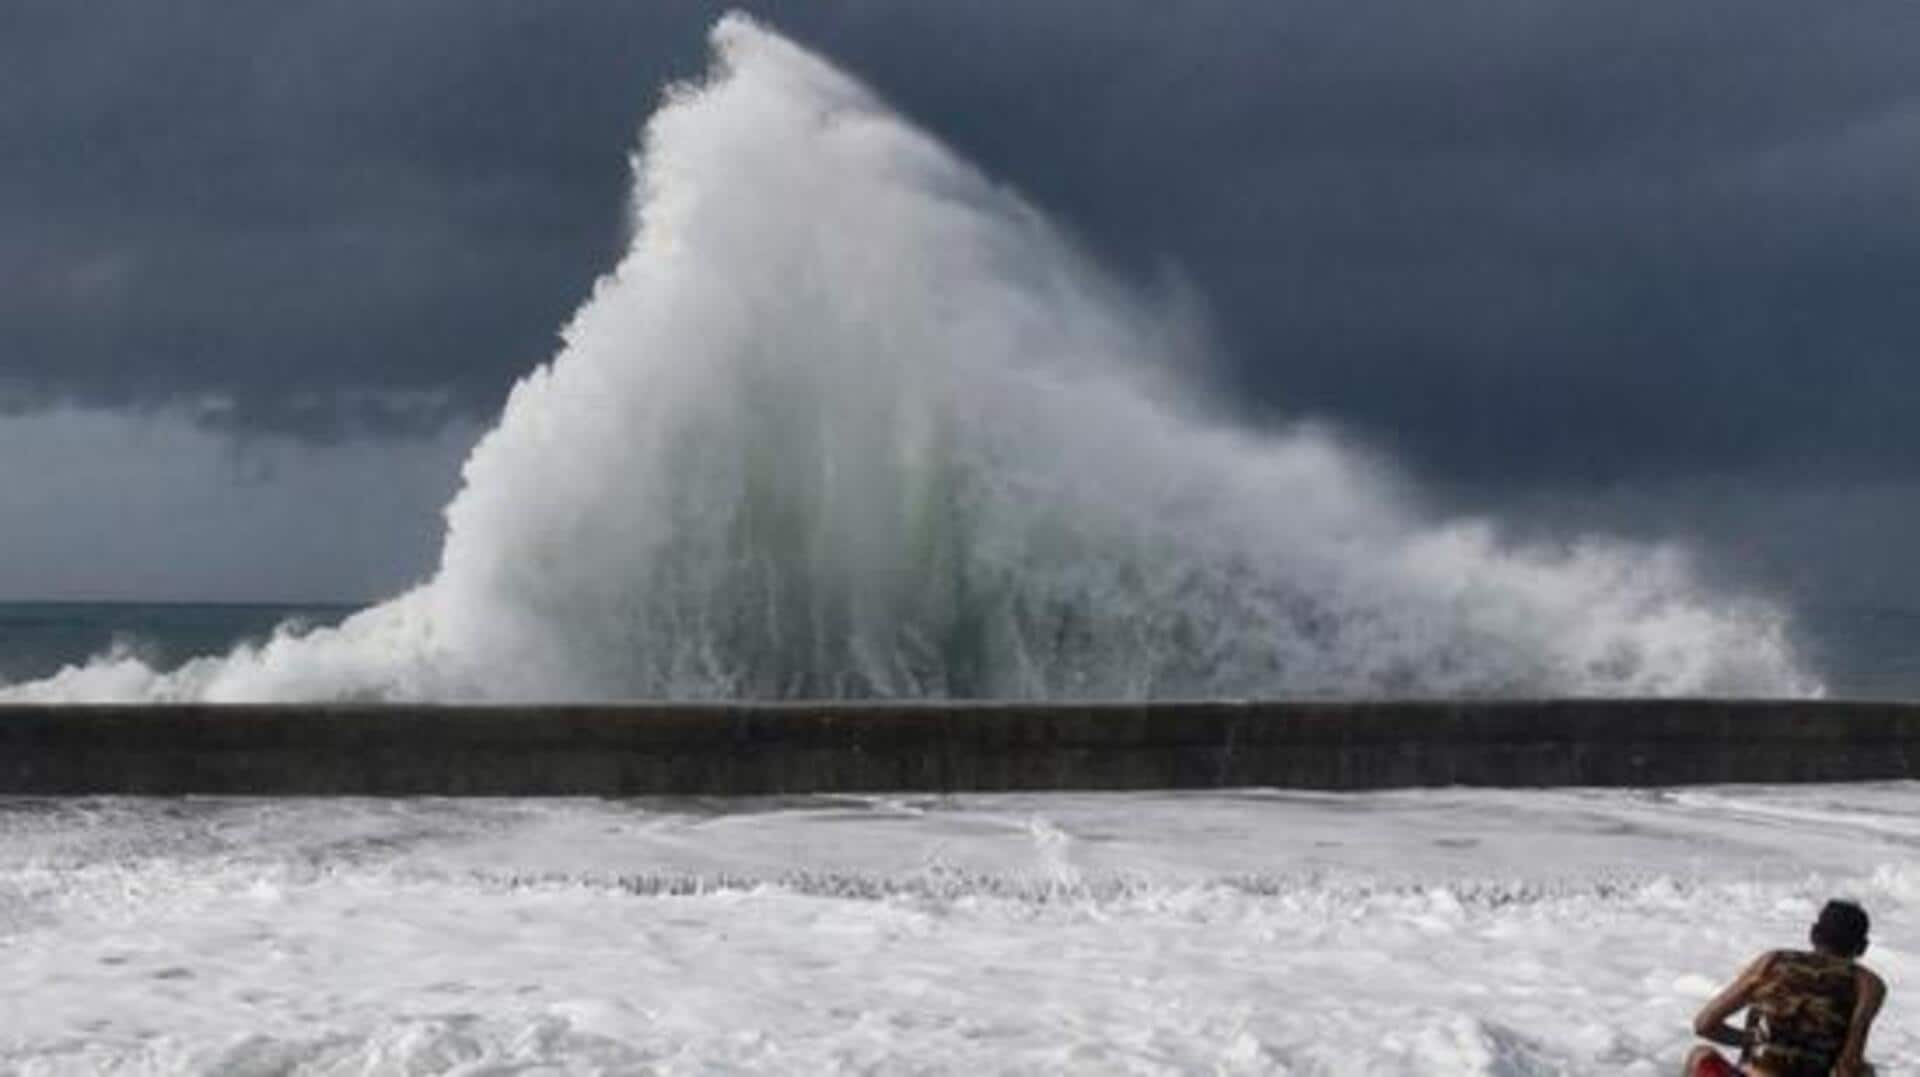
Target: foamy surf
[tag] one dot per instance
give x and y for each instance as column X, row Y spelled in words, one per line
column 849, row 419
column 1419, row 933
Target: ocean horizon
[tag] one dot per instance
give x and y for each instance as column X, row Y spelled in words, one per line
column 39, row 638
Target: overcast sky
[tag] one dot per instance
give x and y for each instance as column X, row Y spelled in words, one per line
column 1647, row 268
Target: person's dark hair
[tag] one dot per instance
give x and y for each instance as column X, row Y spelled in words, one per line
column 1841, row 929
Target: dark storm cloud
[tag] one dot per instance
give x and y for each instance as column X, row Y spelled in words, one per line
column 1525, row 242
column 1542, row 241
column 316, row 214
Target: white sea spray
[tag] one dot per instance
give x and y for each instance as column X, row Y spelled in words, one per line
column 848, row 419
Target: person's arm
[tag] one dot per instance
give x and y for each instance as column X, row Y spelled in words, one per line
column 1711, row 1022
column 1872, row 992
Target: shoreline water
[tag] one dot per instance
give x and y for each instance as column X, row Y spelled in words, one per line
column 1241, row 933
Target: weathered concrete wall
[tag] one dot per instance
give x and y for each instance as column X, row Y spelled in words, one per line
column 728, row 750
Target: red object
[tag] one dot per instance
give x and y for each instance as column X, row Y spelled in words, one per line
column 1714, row 1066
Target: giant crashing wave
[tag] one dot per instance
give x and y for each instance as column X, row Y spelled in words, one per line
column 850, row 420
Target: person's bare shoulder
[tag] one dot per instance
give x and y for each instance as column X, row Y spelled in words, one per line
column 1872, row 979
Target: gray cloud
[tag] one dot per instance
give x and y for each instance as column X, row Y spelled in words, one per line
column 113, row 505
column 1538, row 248
column 1520, row 241
column 273, row 205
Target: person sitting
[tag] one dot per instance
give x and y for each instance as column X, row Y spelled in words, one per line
column 1808, row 1012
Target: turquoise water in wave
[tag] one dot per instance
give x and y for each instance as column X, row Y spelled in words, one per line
column 1864, row 652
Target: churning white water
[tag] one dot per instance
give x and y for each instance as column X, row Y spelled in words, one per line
column 1442, row 933
column 848, row 419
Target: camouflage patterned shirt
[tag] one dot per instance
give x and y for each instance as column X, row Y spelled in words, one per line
column 1800, row 1014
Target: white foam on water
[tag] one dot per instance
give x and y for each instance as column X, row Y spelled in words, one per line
column 1420, row 933
column 848, row 419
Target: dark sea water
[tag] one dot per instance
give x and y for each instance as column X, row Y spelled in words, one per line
column 1863, row 652
column 38, row 638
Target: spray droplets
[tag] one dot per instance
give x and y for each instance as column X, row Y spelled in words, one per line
column 850, row 420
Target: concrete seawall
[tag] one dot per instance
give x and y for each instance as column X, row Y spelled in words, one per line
column 758, row 749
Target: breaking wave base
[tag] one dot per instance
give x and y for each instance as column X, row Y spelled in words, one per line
column 850, row 420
